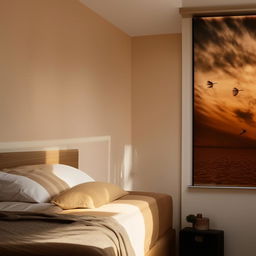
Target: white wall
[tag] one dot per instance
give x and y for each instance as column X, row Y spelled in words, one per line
column 231, row 210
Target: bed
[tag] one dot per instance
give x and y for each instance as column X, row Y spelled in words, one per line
column 116, row 222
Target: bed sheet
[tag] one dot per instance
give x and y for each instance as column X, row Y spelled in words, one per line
column 145, row 217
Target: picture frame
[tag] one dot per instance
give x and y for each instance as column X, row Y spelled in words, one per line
column 224, row 101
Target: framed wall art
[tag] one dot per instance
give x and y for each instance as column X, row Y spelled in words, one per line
column 224, row 101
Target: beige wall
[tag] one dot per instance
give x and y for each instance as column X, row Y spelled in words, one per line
column 228, row 209
column 64, row 73
column 156, row 115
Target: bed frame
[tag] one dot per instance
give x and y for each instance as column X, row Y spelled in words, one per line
column 165, row 246
column 13, row 159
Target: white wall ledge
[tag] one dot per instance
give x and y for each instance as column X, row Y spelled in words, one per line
column 187, row 12
column 219, row 187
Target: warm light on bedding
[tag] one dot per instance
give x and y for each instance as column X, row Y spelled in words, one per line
column 129, row 216
column 88, row 195
column 139, row 215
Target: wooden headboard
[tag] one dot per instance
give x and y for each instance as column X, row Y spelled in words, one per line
column 13, row 159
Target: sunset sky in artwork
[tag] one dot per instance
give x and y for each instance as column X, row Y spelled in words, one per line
column 225, row 54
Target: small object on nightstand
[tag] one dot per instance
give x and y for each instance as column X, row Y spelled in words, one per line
column 202, row 223
column 191, row 218
column 199, row 222
column 201, row 242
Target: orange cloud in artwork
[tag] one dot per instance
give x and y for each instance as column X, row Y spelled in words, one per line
column 224, row 80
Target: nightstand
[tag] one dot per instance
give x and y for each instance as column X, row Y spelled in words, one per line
column 201, row 242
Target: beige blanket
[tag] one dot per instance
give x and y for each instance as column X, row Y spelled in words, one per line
column 38, row 234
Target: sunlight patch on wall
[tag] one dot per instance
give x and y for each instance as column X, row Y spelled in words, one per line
column 126, row 173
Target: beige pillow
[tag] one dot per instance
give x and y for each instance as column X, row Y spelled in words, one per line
column 89, row 195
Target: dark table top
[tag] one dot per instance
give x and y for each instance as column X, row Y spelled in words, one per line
column 202, row 232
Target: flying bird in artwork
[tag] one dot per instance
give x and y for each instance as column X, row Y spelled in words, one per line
column 210, row 84
column 236, row 91
column 242, row 132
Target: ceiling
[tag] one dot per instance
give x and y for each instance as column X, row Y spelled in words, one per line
column 140, row 17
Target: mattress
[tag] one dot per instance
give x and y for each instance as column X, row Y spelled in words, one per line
column 145, row 216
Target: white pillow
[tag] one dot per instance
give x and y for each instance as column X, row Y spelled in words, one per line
column 38, row 183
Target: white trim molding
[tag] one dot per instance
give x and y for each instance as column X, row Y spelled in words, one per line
column 16, row 146
column 187, row 12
